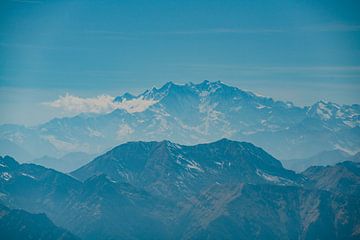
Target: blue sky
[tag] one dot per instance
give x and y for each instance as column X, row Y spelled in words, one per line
column 300, row 51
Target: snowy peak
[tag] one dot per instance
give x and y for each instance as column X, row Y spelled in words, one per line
column 328, row 111
column 218, row 88
column 202, row 89
column 125, row 97
column 197, row 113
column 324, row 110
column 173, row 95
column 157, row 94
column 206, row 86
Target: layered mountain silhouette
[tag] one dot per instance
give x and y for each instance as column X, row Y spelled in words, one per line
column 162, row 190
column 324, row 158
column 67, row 163
column 192, row 114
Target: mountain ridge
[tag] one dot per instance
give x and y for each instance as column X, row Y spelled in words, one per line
column 166, row 190
column 197, row 113
column 126, row 164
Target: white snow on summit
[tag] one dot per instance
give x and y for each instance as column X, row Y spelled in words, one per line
column 135, row 105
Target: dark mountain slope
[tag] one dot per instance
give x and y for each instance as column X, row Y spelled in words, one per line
column 162, row 190
column 167, row 169
column 271, row 212
column 343, row 177
column 21, row 225
column 95, row 209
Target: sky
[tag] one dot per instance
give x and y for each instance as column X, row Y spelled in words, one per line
column 301, row 51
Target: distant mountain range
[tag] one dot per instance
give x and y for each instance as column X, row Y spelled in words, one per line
column 162, row 190
column 324, row 158
column 191, row 114
column 67, row 163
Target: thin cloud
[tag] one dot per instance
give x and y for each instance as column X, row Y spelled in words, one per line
column 336, row 27
column 27, row 1
column 127, row 35
column 135, row 35
column 109, row 34
column 35, row 46
column 273, row 68
column 289, row 72
column 70, row 104
column 223, row 30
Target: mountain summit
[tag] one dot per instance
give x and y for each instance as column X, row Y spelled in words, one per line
column 169, row 169
column 195, row 113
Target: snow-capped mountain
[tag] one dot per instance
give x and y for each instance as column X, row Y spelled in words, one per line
column 197, row 113
column 334, row 115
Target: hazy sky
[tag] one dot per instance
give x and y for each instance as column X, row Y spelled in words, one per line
column 300, row 51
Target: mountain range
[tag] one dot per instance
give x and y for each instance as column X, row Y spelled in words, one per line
column 67, row 163
column 192, row 114
column 163, row 190
column 324, row 158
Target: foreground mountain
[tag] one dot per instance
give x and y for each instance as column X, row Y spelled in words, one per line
column 95, row 209
column 197, row 113
column 169, row 169
column 161, row 190
column 343, row 177
column 21, row 225
column 272, row 212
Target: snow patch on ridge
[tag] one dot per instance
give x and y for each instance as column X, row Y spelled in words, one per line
column 348, row 151
column 61, row 145
column 124, row 130
column 94, row 133
column 6, row 176
column 194, row 165
column 267, row 177
column 28, row 175
column 272, row 178
column 135, row 105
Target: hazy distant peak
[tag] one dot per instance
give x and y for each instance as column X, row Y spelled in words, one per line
column 326, row 110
